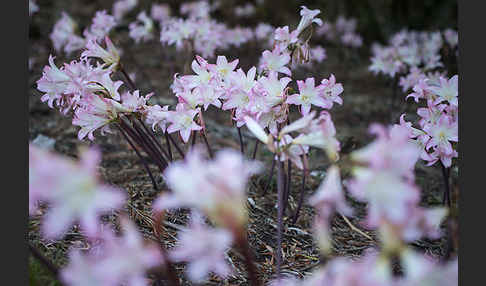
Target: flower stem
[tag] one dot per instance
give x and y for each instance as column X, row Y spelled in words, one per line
column 169, row 267
column 203, row 135
column 139, row 156
column 178, row 148
column 269, row 178
column 127, row 77
column 140, row 139
column 244, row 246
column 255, row 149
column 242, row 148
column 167, row 141
column 280, row 205
column 446, row 200
column 154, row 139
column 148, row 144
column 287, row 185
column 301, row 199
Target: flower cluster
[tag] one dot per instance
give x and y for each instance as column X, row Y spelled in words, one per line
column 113, row 260
column 411, row 55
column 122, row 7
column 217, row 188
column 204, row 248
column 76, row 196
column 438, row 121
column 203, row 34
column 383, row 179
column 65, row 36
column 142, row 29
column 386, row 183
column 342, row 32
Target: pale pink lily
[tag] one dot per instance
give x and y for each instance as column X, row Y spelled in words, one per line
column 275, row 89
column 110, row 55
column 118, row 260
column 275, row 61
column 331, row 90
column 448, row 90
column 217, row 187
column 222, row 68
column 182, row 120
column 308, row 17
column 142, row 29
column 156, row 115
column 308, row 94
column 204, row 249
column 122, row 7
column 77, row 195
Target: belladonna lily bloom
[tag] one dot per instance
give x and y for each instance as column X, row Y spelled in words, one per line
column 182, row 120
column 118, row 260
column 331, row 90
column 308, row 17
column 274, row 88
column 122, row 7
column 74, row 194
column 96, row 112
column 447, row 90
column 216, row 188
column 319, row 132
column 143, row 31
column 222, row 68
column 308, row 94
column 329, row 198
column 204, row 248
column 156, row 115
column 110, row 55
column 275, row 61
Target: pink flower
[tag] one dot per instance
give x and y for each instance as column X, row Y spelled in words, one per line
column 142, row 29
column 309, row 94
column 122, row 7
column 182, row 120
column 110, row 55
column 118, row 260
column 204, row 249
column 53, row 82
column 441, row 133
column 217, row 187
column 448, row 90
column 222, row 67
column 331, row 90
column 284, row 37
column 329, row 197
column 157, row 115
column 273, row 88
column 134, row 102
column 451, row 37
column 101, row 26
column 275, row 61
column 387, row 181
column 160, row 12
column 263, row 31
column 75, row 195
column 63, row 29
column 318, row 54
column 96, row 112
column 381, row 154
column 308, row 17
